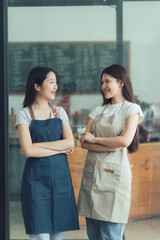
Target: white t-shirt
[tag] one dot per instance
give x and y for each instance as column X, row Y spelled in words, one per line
column 23, row 116
column 130, row 109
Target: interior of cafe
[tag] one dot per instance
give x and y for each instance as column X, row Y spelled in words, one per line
column 79, row 39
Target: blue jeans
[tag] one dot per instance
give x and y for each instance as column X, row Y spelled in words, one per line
column 46, row 236
column 103, row 230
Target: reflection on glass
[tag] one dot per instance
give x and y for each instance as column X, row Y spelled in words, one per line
column 96, row 26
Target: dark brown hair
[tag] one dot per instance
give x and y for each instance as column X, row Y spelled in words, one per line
column 36, row 75
column 120, row 73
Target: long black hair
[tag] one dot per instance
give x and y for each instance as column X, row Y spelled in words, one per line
column 36, row 75
column 120, row 73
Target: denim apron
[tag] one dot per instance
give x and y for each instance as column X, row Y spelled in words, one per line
column 47, row 196
column 105, row 192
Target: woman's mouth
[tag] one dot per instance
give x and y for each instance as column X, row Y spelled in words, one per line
column 106, row 91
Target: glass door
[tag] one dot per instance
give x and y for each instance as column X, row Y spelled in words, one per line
column 78, row 42
column 141, row 28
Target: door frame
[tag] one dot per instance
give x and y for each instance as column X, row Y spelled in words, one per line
column 4, row 119
column 4, row 188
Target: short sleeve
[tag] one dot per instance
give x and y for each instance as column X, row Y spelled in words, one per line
column 133, row 109
column 95, row 112
column 21, row 118
column 62, row 114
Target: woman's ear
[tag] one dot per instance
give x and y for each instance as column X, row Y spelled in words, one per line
column 121, row 83
column 37, row 87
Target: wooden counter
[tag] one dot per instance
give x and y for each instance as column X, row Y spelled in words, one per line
column 145, row 201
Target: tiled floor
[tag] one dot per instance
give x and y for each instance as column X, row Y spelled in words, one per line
column 139, row 230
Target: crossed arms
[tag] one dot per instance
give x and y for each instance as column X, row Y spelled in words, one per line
column 44, row 149
column 99, row 144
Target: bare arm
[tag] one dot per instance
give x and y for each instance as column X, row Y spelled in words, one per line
column 97, row 147
column 94, row 146
column 65, row 144
column 28, row 148
column 119, row 141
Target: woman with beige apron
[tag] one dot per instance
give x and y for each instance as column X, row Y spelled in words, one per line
column 105, row 192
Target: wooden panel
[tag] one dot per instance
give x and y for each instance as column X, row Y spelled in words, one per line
column 146, row 163
column 145, row 182
column 145, row 201
column 76, row 164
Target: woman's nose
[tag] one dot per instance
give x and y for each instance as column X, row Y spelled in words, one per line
column 55, row 86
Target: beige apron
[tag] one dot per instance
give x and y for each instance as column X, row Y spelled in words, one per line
column 105, row 191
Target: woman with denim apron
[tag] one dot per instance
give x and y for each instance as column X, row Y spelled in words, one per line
column 105, row 192
column 48, row 202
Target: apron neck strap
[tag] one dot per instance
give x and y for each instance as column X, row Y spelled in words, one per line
column 54, row 111
column 31, row 113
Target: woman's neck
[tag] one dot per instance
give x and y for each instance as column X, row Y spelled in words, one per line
column 40, row 104
column 117, row 100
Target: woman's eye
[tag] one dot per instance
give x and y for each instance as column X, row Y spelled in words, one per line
column 52, row 82
column 106, row 81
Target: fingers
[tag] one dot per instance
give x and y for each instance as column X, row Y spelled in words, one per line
column 21, row 152
column 69, row 151
column 84, row 133
column 82, row 139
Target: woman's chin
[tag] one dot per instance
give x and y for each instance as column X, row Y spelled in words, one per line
column 107, row 97
column 52, row 98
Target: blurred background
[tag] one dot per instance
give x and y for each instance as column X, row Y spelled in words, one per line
column 78, row 39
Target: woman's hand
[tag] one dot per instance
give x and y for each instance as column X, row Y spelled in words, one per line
column 69, row 151
column 90, row 138
column 21, row 152
column 87, row 137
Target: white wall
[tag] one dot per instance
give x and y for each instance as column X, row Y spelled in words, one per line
column 61, row 24
column 141, row 28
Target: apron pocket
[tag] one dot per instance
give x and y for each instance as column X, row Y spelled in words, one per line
column 62, row 183
column 88, row 178
column 108, row 176
column 41, row 183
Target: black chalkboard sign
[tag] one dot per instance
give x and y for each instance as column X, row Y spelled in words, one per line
column 78, row 65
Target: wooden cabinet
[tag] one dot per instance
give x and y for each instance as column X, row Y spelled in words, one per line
column 145, row 201
column 76, row 164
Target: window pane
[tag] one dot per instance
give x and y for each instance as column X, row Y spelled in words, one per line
column 75, row 41
column 78, row 42
column 141, row 29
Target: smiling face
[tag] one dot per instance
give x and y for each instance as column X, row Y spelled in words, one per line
column 112, row 88
column 48, row 88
